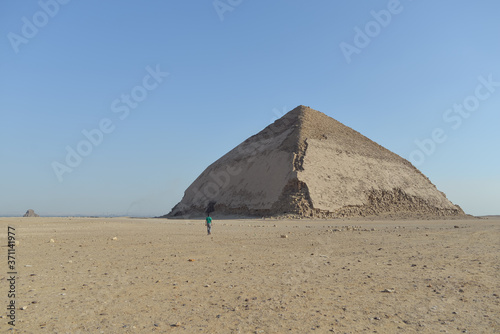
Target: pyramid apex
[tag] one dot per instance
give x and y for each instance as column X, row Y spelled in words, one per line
column 300, row 111
column 304, row 108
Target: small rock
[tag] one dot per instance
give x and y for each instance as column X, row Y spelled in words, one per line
column 284, row 236
column 191, row 260
column 391, row 290
column 207, row 285
column 24, row 308
column 114, row 238
column 52, row 240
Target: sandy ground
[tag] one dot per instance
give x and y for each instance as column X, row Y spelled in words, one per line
column 438, row 276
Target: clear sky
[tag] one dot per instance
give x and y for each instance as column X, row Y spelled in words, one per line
column 148, row 93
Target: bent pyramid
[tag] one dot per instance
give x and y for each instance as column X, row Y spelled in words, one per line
column 307, row 164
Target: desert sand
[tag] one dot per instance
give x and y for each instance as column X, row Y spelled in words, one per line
column 123, row 275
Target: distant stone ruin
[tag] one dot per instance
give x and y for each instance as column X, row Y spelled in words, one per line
column 30, row 213
column 306, row 164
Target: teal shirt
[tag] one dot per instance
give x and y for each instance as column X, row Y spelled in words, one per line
column 209, row 220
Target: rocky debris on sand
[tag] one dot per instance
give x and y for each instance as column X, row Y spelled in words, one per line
column 351, row 228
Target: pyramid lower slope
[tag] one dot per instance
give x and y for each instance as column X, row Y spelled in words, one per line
column 307, row 164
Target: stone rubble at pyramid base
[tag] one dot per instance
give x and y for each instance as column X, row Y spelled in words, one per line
column 383, row 204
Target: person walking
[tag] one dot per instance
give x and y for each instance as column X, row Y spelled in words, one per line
column 209, row 224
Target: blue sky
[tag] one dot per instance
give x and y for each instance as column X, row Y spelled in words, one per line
column 392, row 70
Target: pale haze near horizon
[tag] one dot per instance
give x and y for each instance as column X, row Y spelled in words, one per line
column 231, row 71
